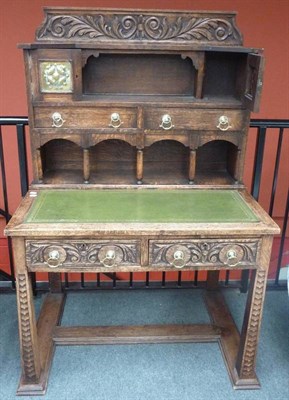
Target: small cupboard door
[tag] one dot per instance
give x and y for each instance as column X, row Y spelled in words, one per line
column 254, row 81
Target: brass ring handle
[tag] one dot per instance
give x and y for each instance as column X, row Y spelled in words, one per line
column 53, row 260
column 115, row 121
column 224, row 123
column 166, row 123
column 179, row 259
column 232, row 259
column 57, row 120
column 108, row 260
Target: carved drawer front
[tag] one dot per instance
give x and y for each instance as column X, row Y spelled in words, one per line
column 85, row 117
column 77, row 254
column 170, row 119
column 203, row 253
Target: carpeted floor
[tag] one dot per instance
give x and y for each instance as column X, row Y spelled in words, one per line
column 150, row 372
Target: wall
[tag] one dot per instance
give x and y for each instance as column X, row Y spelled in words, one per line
column 264, row 23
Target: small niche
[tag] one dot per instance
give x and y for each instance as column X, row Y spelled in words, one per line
column 62, row 162
column 216, row 163
column 138, row 74
column 112, row 162
column 224, row 76
column 166, row 162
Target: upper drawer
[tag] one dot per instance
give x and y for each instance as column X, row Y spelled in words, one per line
column 196, row 119
column 85, row 117
column 226, row 253
column 82, row 254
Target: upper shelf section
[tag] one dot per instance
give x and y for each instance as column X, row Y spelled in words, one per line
column 85, row 25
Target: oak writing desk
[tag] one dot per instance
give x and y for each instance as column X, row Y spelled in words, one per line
column 138, row 123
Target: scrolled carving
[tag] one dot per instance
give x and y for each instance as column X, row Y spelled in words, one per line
column 206, row 27
column 25, row 330
column 210, row 252
column 80, row 253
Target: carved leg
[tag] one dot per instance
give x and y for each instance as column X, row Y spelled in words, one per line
column 36, row 342
column 246, row 358
column 27, row 330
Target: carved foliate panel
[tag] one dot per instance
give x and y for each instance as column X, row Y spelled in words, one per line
column 227, row 253
column 75, row 254
column 55, row 77
column 84, row 25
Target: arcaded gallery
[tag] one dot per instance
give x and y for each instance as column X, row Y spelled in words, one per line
column 144, row 248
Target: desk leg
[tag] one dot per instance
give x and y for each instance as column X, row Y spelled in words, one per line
column 246, row 358
column 30, row 355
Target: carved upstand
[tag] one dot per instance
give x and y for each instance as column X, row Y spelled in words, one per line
column 138, row 123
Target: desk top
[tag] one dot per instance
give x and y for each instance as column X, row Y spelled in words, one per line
column 141, row 206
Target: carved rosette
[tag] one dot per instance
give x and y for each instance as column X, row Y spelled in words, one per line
column 25, row 330
column 205, row 253
column 108, row 25
column 77, row 254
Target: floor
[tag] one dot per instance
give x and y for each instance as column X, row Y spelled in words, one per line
column 154, row 372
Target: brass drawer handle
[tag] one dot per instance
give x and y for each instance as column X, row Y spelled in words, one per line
column 57, row 120
column 108, row 260
column 179, row 259
column 166, row 123
column 53, row 260
column 224, row 123
column 115, row 121
column 232, row 258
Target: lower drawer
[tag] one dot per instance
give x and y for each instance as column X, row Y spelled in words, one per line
column 203, row 253
column 79, row 254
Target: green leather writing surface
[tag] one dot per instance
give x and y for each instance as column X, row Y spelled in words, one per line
column 152, row 205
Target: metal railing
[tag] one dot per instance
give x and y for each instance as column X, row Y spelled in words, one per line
column 279, row 127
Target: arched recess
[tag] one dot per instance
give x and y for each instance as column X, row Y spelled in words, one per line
column 112, row 161
column 217, row 163
column 166, row 162
column 62, row 162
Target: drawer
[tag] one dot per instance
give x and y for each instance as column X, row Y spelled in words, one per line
column 85, row 117
column 78, row 254
column 203, row 253
column 171, row 119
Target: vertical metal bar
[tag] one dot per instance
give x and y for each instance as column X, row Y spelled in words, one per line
column 258, row 162
column 244, row 281
column 82, row 282
column 4, row 182
column 163, row 279
column 227, row 278
column 131, row 279
column 196, row 276
column 6, row 209
column 180, row 278
column 276, row 171
column 147, row 279
column 283, row 236
column 255, row 189
column 66, row 280
column 98, row 279
column 21, row 140
column 114, row 280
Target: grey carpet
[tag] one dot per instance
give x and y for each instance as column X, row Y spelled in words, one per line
column 154, row 372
